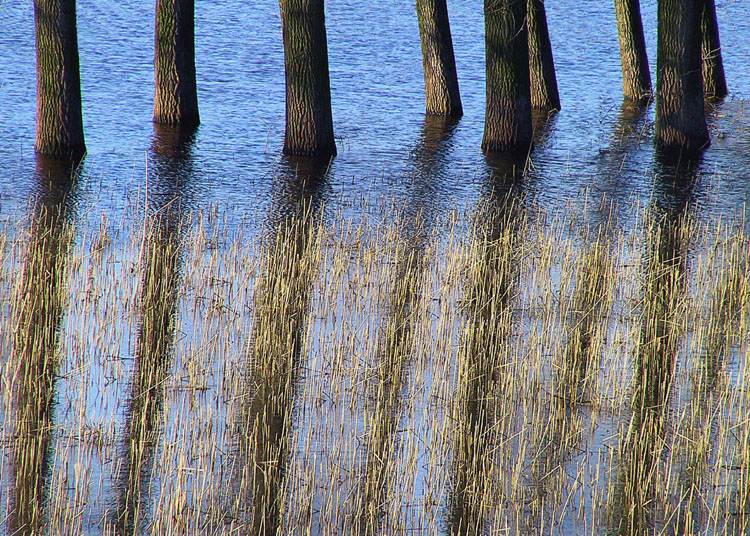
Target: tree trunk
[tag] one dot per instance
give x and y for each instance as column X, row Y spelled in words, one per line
column 636, row 78
column 59, row 123
column 309, row 122
column 507, row 126
column 680, row 115
column 176, row 94
column 714, row 80
column 544, row 92
column 440, row 78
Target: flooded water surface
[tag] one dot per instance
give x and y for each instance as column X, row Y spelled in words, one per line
column 198, row 335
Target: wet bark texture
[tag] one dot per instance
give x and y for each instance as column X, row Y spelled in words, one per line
column 442, row 94
column 636, row 78
column 59, row 123
column 680, row 114
column 507, row 126
column 176, row 94
column 544, row 92
column 714, row 79
column 309, row 122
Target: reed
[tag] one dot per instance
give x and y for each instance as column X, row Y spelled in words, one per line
column 504, row 371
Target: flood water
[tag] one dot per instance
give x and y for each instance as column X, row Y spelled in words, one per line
column 377, row 105
column 231, row 179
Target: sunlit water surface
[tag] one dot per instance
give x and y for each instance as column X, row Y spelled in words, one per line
column 231, row 178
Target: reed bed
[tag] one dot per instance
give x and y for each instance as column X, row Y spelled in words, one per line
column 500, row 372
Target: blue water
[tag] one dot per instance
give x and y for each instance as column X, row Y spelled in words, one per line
column 377, row 90
column 388, row 151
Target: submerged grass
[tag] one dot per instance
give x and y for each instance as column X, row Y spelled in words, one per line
column 512, row 373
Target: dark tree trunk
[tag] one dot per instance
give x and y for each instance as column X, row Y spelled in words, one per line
column 442, row 95
column 176, row 94
column 714, row 79
column 59, row 124
column 680, row 114
column 636, row 78
column 544, row 92
column 508, row 126
column 309, row 122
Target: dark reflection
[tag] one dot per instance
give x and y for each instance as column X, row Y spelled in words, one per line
column 490, row 296
column 38, row 310
column 398, row 330
column 506, row 173
column 282, row 298
column 615, row 163
column 170, row 173
column 300, row 186
column 543, row 122
column 631, row 129
column 667, row 241
column 430, row 155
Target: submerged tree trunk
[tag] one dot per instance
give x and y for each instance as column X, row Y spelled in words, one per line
column 309, row 122
column 59, row 123
column 680, row 115
column 442, row 95
column 176, row 94
column 507, row 126
column 544, row 92
column 714, row 79
column 636, row 78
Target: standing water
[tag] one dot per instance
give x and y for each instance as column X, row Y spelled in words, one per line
column 199, row 335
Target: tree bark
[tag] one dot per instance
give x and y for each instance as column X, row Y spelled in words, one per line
column 59, row 122
column 309, row 122
column 175, row 94
column 636, row 78
column 440, row 77
column 544, row 92
column 507, row 126
column 714, row 79
column 680, row 114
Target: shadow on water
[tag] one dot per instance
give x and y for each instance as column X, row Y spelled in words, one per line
column 661, row 329
column 396, row 344
column 38, row 311
column 506, row 176
column 430, row 157
column 543, row 122
column 282, row 299
column 584, row 324
column 170, row 176
column 614, row 164
column 585, row 318
column 490, row 295
column 299, row 186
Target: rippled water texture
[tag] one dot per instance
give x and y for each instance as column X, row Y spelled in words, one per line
column 377, row 103
column 234, row 371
